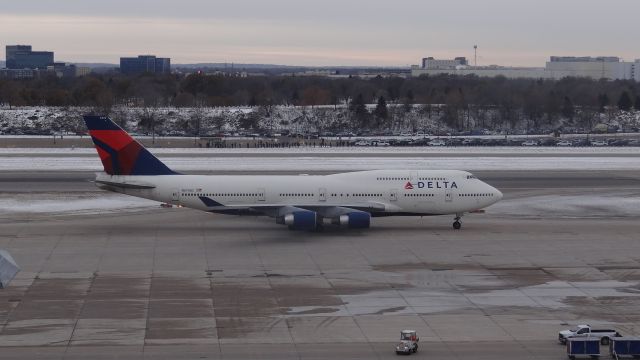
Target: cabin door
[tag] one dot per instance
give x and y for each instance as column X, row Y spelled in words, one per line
column 175, row 196
column 448, row 196
column 322, row 194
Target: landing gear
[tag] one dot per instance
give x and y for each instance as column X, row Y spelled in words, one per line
column 456, row 223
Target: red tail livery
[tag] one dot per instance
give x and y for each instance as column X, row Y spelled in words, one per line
column 119, row 152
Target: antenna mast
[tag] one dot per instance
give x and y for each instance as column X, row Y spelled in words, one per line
column 475, row 55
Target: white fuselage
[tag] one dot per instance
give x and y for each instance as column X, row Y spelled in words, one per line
column 379, row 192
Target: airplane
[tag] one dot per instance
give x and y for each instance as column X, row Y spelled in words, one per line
column 303, row 202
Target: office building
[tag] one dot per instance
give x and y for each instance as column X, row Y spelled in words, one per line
column 145, row 64
column 22, row 57
column 63, row 70
column 16, row 74
column 558, row 67
column 432, row 63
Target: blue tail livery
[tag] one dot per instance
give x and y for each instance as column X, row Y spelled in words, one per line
column 119, row 152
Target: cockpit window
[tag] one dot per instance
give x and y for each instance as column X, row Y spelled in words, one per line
column 471, row 177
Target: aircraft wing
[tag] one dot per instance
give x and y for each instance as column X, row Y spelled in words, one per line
column 278, row 210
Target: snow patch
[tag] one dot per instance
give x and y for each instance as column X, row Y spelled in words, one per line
column 320, row 163
column 568, row 206
column 84, row 203
column 506, row 150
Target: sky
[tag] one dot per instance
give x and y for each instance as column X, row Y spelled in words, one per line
column 325, row 32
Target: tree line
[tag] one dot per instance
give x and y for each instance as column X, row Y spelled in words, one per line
column 459, row 98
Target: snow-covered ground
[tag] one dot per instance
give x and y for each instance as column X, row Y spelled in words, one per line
column 571, row 206
column 77, row 203
column 514, row 150
column 179, row 121
column 320, row 163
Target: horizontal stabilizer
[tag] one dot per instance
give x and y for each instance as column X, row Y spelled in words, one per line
column 128, row 185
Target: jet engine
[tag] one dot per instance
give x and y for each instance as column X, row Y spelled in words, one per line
column 299, row 220
column 354, row 220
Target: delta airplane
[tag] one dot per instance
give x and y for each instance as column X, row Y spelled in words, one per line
column 302, row 202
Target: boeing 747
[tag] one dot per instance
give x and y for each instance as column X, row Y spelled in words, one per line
column 302, row 202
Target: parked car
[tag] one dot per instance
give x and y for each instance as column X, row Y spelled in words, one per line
column 582, row 142
column 380, row 143
column 619, row 142
column 604, row 335
column 548, row 142
column 437, row 142
column 564, row 143
column 599, row 143
column 362, row 143
column 530, row 143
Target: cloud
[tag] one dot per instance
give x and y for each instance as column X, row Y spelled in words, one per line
column 345, row 32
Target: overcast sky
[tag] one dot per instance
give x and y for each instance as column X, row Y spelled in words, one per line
column 324, row 32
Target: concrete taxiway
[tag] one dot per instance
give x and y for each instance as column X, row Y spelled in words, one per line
column 562, row 248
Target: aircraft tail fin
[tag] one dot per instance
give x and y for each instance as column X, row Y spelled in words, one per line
column 119, row 152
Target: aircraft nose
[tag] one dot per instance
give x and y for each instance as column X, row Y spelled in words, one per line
column 497, row 194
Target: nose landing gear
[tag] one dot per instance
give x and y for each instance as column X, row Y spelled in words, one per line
column 456, row 223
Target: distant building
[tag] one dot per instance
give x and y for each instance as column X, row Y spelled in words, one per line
column 431, row 63
column 16, row 74
column 145, row 64
column 82, row 71
column 558, row 67
column 22, row 57
column 603, row 67
column 163, row 65
column 63, row 70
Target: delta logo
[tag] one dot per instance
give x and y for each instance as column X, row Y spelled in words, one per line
column 431, row 185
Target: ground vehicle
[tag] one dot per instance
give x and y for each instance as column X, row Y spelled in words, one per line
column 625, row 346
column 583, row 347
column 437, row 142
column 530, row 143
column 564, row 143
column 380, row 143
column 408, row 342
column 362, row 143
column 599, row 143
column 604, row 335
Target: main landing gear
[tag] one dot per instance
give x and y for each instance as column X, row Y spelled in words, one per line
column 456, row 223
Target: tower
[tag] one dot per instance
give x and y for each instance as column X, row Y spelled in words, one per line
column 475, row 55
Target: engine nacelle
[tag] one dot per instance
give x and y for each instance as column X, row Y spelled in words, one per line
column 354, row 220
column 300, row 220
